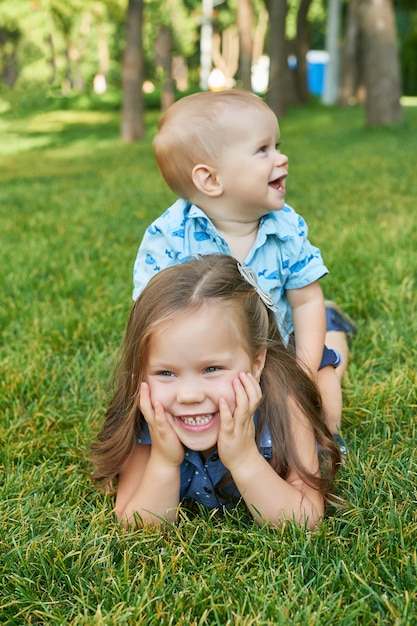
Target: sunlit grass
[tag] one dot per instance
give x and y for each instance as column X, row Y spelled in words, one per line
column 408, row 101
column 74, row 203
column 43, row 129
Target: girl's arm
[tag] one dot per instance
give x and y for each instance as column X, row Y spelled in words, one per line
column 269, row 497
column 272, row 499
column 147, row 489
column 149, row 481
column 309, row 319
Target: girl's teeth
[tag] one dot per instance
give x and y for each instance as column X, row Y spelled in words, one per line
column 196, row 420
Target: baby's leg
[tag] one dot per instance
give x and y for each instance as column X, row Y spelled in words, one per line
column 337, row 340
column 330, row 389
column 340, row 327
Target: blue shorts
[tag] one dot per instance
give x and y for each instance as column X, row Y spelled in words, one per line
column 330, row 357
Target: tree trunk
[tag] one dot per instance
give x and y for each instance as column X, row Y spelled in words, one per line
column 301, row 49
column 103, row 48
column 9, row 41
column 206, row 39
column 331, row 81
column 133, row 127
column 381, row 64
column 225, row 53
column 245, row 27
column 349, row 74
column 163, row 49
column 69, row 82
column 278, row 69
column 260, row 34
column 49, row 40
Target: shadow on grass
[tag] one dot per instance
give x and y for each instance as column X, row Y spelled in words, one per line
column 60, row 129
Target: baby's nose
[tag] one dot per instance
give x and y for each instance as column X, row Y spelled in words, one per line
column 282, row 159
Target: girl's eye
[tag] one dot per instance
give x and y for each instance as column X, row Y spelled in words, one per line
column 165, row 373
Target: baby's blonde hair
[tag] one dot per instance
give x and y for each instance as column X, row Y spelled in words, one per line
column 193, row 130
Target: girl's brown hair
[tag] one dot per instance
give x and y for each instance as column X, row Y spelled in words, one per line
column 183, row 288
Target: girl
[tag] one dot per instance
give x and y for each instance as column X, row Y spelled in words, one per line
column 211, row 406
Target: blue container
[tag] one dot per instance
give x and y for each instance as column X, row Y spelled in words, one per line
column 317, row 61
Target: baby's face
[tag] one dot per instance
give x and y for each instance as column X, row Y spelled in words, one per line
column 251, row 168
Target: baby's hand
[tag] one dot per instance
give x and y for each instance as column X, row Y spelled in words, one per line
column 165, row 442
column 237, row 432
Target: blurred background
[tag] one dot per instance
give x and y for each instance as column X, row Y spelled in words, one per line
column 145, row 53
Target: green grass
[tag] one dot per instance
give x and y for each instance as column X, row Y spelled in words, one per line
column 74, row 203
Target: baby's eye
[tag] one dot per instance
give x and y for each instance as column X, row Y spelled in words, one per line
column 212, row 368
column 278, row 146
column 263, row 149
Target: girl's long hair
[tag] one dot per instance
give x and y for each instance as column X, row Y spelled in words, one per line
column 183, row 288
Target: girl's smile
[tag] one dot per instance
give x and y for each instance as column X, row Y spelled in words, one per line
column 198, row 422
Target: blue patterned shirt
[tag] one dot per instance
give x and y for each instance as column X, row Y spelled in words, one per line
column 282, row 256
column 199, row 477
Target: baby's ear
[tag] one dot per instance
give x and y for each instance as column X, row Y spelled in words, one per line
column 206, row 181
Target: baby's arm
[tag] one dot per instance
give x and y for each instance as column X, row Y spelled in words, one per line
column 149, row 481
column 153, row 256
column 309, row 319
column 268, row 497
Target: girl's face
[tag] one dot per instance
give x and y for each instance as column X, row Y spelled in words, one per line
column 191, row 364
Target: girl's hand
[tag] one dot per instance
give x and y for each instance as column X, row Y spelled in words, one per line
column 236, row 441
column 165, row 442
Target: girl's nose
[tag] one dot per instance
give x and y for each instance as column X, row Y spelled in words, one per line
column 189, row 393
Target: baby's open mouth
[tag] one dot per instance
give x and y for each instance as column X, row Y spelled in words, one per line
column 278, row 184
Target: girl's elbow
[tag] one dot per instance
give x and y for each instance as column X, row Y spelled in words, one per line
column 313, row 517
column 124, row 512
column 314, row 522
column 120, row 513
column 310, row 514
column 120, row 504
column 129, row 519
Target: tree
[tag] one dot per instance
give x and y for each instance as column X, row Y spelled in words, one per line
column 245, row 20
column 406, row 18
column 9, row 41
column 350, row 57
column 64, row 14
column 331, row 83
column 170, row 39
column 288, row 87
column 381, row 64
column 133, row 127
column 301, row 48
column 163, row 49
column 278, row 68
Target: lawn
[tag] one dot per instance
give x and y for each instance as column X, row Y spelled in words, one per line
column 74, row 203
